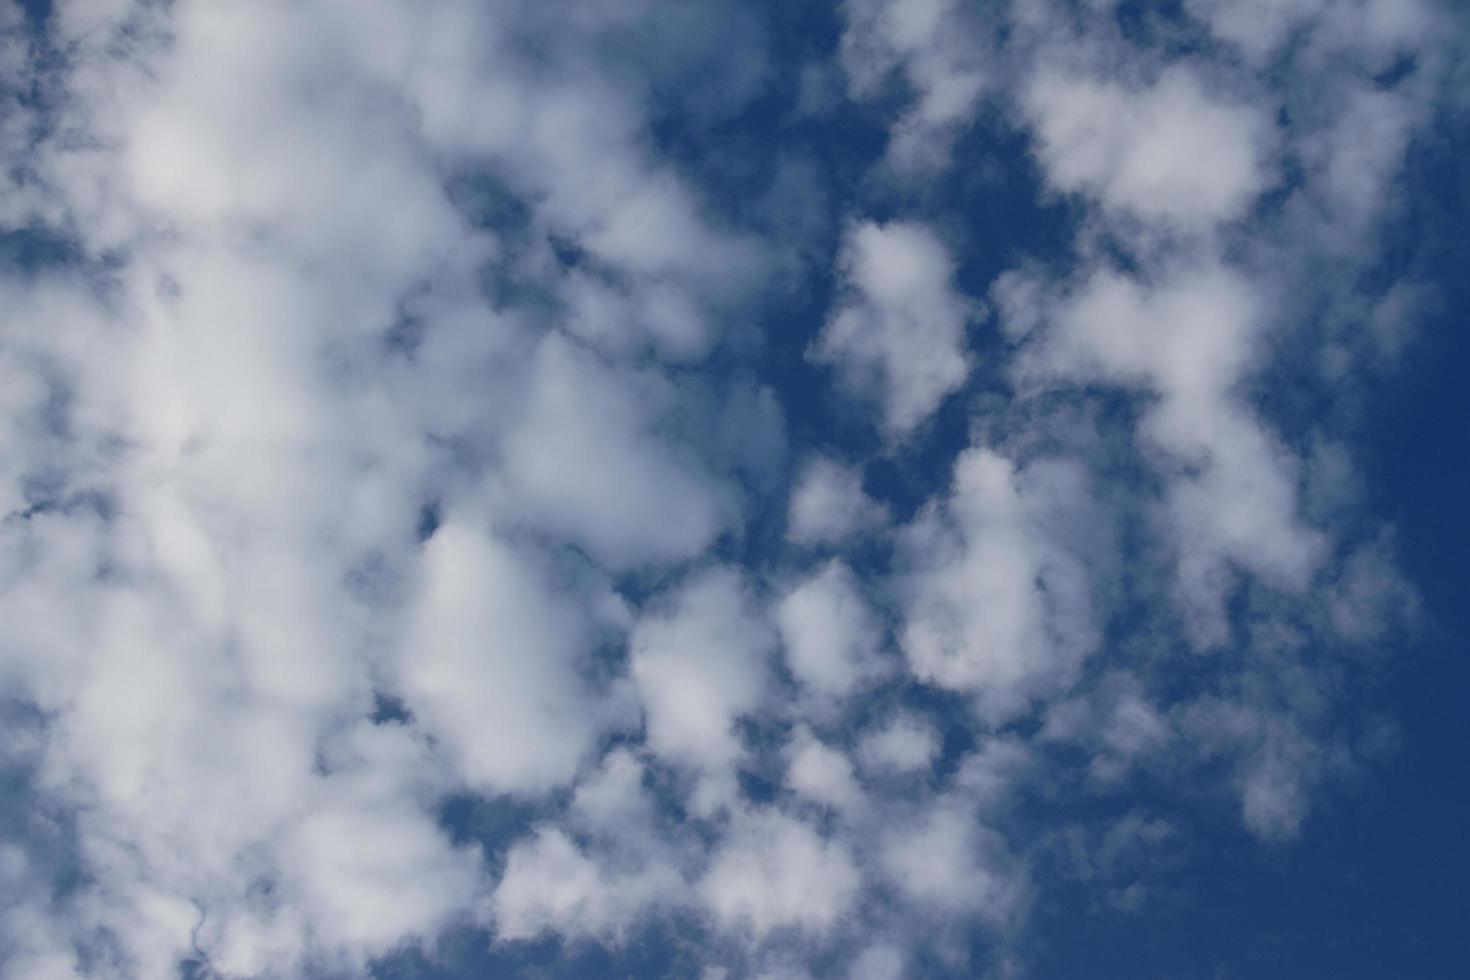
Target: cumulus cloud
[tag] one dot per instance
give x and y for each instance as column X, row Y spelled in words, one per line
column 459, row 476
column 699, row 659
column 997, row 606
column 828, row 504
column 944, row 67
column 830, row 636
column 898, row 337
column 375, row 876
column 1167, row 151
column 903, row 745
column 1260, row 28
column 1190, row 339
column 949, row 862
column 490, row 665
column 583, row 462
column 549, row 886
column 821, row 773
column 775, row 872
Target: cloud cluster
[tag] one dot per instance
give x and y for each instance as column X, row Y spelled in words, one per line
column 402, row 417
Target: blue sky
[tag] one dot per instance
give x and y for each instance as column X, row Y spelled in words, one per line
column 879, row 489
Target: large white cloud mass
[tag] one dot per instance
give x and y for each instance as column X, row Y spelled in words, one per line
column 388, row 420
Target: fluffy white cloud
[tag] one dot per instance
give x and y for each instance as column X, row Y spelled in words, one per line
column 830, row 637
column 1354, row 152
column 1167, row 151
column 699, row 658
column 952, row 863
column 821, row 773
column 585, row 462
column 942, row 62
column 775, row 872
column 904, row 744
column 1190, row 338
column 898, row 336
column 391, row 416
column 611, row 801
column 1260, row 28
column 996, row 605
column 228, row 464
column 828, row 504
column 373, row 876
column 491, row 665
column 551, row 886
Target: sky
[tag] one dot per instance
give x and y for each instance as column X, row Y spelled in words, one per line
column 733, row 489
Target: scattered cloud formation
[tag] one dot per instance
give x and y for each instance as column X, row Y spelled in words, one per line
column 591, row 477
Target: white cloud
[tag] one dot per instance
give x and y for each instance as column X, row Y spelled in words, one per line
column 1190, row 338
column 585, row 462
column 1273, row 802
column 1354, row 153
column 1276, row 764
column 995, row 607
column 1258, row 27
column 620, row 322
column 373, row 876
column 491, row 665
column 1115, row 721
column 1261, row 28
column 270, row 186
column 941, row 56
column 775, row 872
column 1168, row 152
column 878, row 962
column 899, row 331
column 611, row 800
column 904, row 744
column 699, row 658
column 551, row 886
column 332, row 490
column 828, row 504
column 951, row 863
column 830, row 637
column 821, row 773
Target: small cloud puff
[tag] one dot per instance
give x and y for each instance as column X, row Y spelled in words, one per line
column 1168, row 151
column 828, row 504
column 898, row 336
